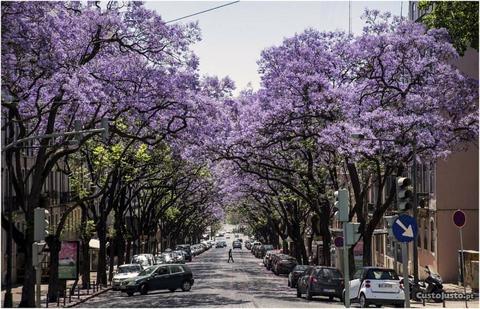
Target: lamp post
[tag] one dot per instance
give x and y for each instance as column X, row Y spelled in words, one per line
column 361, row 136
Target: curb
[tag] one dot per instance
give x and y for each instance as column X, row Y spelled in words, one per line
column 87, row 298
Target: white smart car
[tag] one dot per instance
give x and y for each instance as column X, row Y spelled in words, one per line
column 376, row 286
column 125, row 272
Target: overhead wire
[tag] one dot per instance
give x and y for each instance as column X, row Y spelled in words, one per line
column 201, row 12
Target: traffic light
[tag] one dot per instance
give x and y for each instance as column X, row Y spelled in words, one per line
column 40, row 224
column 106, row 132
column 404, row 193
column 352, row 233
column 342, row 204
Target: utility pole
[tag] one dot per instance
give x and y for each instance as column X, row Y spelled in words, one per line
column 415, row 210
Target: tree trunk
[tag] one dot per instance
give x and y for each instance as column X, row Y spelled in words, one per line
column 54, row 244
column 351, row 261
column 127, row 251
column 102, row 253
column 327, row 240
column 367, row 246
column 28, row 290
column 111, row 248
column 85, row 271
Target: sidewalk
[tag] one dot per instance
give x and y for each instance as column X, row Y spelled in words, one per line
column 451, row 288
column 79, row 296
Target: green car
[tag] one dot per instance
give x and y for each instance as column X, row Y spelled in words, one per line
column 160, row 277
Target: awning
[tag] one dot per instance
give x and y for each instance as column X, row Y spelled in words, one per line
column 94, row 244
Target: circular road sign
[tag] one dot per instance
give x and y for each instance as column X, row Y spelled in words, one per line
column 459, row 218
column 338, row 241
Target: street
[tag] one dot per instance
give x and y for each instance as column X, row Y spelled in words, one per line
column 245, row 283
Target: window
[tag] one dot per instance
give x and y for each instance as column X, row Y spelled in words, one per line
column 432, row 236
column 382, row 274
column 358, row 274
column 176, row 269
column 162, row 271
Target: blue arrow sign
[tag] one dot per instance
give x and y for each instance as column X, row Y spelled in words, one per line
column 405, row 228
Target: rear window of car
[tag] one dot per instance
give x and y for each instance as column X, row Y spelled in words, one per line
column 268, row 247
column 300, row 267
column 328, row 273
column 381, row 274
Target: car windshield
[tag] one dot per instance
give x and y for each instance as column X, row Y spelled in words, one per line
column 128, row 269
column 147, row 271
column 268, row 247
column 382, row 274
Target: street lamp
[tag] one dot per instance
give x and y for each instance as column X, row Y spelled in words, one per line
column 361, row 136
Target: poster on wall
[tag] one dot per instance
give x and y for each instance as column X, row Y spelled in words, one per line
column 68, row 260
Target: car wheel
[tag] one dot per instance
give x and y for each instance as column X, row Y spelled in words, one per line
column 363, row 301
column 378, row 306
column 143, row 289
column 130, row 293
column 298, row 293
column 186, row 286
column 400, row 305
column 330, row 298
column 172, row 290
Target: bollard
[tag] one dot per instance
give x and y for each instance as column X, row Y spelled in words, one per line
column 69, row 297
column 46, row 302
column 78, row 292
column 58, row 299
column 64, row 300
column 88, row 289
column 423, row 301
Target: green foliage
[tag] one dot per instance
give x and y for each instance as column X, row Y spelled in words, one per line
column 460, row 18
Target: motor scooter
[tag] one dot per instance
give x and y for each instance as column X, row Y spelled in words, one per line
column 431, row 285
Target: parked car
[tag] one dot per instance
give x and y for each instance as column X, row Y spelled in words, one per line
column 322, row 281
column 179, row 256
column 219, row 244
column 248, row 244
column 164, row 258
column 255, row 245
column 186, row 248
column 295, row 274
column 237, row 244
column 284, row 264
column 377, row 286
column 267, row 259
column 260, row 252
column 160, row 277
column 144, row 259
column 274, row 258
column 125, row 272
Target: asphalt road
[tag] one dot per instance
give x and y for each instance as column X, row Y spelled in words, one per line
column 245, row 283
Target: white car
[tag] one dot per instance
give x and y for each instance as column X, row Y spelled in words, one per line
column 125, row 272
column 376, row 286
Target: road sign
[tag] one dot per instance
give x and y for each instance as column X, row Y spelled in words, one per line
column 459, row 218
column 338, row 241
column 405, row 228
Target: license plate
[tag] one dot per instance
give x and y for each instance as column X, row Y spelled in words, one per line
column 384, row 285
column 329, row 290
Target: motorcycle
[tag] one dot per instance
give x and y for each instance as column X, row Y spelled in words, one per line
column 432, row 285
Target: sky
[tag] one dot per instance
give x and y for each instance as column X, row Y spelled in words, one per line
column 234, row 36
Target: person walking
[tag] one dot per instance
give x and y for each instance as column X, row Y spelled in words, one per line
column 230, row 256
